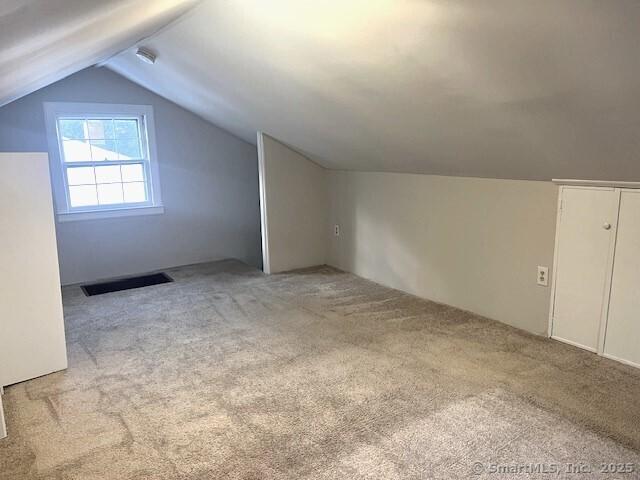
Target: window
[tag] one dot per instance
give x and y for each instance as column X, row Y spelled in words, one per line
column 103, row 160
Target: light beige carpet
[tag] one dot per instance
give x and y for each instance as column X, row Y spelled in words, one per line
column 316, row 374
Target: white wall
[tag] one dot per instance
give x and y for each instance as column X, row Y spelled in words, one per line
column 32, row 341
column 471, row 243
column 209, row 181
column 294, row 207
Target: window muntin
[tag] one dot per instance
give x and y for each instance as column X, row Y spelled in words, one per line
column 105, row 161
column 100, row 135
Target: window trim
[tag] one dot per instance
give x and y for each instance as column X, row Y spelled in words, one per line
column 64, row 211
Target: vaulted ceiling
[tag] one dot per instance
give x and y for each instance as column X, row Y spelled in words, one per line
column 535, row 89
column 42, row 41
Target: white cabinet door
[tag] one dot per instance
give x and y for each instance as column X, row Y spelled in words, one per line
column 586, row 226
column 622, row 338
column 32, row 341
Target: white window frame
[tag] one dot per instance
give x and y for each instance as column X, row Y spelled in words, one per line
column 65, row 212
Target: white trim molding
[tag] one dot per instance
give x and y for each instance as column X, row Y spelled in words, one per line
column 65, row 212
column 3, row 425
column 264, row 221
column 116, row 212
column 595, row 183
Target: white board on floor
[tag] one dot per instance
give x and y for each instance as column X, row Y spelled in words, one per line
column 32, row 340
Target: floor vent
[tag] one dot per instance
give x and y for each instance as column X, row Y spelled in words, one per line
column 126, row 284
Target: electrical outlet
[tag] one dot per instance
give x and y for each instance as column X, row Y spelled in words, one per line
column 336, row 230
column 543, row 276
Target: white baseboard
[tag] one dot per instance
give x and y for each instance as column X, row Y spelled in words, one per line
column 621, row 360
column 575, row 344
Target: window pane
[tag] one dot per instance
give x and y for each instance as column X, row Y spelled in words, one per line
column 96, row 140
column 129, row 148
column 76, row 151
column 83, row 195
column 128, row 136
column 126, row 128
column 103, row 150
column 72, row 128
column 134, row 192
column 100, row 128
column 110, row 193
column 80, row 176
column 132, row 173
column 109, row 174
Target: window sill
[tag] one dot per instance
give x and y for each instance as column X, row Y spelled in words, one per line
column 116, row 212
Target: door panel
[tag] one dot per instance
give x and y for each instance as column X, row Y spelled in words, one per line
column 622, row 339
column 582, row 263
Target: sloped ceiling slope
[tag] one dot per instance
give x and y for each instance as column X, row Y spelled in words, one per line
column 42, row 41
column 491, row 88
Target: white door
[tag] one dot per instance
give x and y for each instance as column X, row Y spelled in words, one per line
column 586, row 226
column 622, row 338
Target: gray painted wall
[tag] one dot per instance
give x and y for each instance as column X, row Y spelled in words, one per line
column 209, row 181
column 467, row 242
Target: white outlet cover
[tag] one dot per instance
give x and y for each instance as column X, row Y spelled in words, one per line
column 336, row 230
column 543, row 276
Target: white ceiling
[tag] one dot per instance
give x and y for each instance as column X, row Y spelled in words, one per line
column 533, row 89
column 42, row 41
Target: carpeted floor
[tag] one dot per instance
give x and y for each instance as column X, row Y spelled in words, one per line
column 316, row 374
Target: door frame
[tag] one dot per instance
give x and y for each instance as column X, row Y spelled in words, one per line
column 3, row 425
